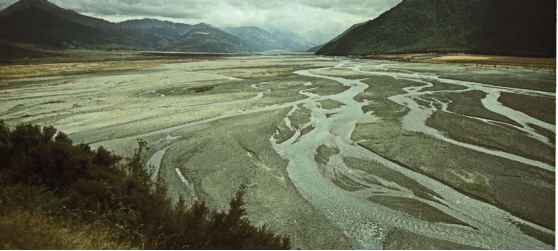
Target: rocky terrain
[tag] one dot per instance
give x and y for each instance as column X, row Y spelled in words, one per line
column 336, row 153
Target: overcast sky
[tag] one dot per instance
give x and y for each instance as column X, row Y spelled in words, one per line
column 316, row 20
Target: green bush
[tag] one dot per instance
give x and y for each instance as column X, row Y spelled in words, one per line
column 98, row 187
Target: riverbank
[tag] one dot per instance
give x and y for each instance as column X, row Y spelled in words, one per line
column 336, row 152
column 471, row 59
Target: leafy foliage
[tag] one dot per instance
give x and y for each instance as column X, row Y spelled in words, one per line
column 43, row 172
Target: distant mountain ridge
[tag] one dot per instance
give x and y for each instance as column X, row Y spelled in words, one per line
column 204, row 37
column 161, row 29
column 185, row 37
column 504, row 27
column 263, row 40
column 260, row 40
column 44, row 24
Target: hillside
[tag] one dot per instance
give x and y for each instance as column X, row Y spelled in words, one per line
column 165, row 33
column 206, row 38
column 292, row 41
column 503, row 27
column 43, row 23
column 262, row 40
column 258, row 39
column 315, row 48
column 201, row 37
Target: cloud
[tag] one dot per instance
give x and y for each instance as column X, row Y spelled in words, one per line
column 315, row 20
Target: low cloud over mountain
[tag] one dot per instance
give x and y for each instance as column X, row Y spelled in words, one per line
column 322, row 19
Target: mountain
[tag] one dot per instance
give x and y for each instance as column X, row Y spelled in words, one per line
column 206, row 38
column 504, row 27
column 43, row 23
column 315, row 48
column 189, row 38
column 292, row 40
column 261, row 40
column 164, row 32
column 258, row 39
column 11, row 52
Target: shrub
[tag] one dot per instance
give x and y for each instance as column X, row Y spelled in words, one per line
column 45, row 174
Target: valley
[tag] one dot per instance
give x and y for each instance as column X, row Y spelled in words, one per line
column 336, row 153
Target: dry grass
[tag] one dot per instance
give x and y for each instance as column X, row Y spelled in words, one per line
column 20, row 229
column 69, row 62
column 497, row 60
column 463, row 58
column 54, row 69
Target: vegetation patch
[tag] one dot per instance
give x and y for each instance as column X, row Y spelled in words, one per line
column 495, row 137
column 528, row 80
column 72, row 189
column 469, row 103
column 416, row 208
column 543, row 108
column 325, row 153
column 330, row 104
column 404, row 240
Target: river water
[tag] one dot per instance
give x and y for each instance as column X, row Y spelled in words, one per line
column 367, row 223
